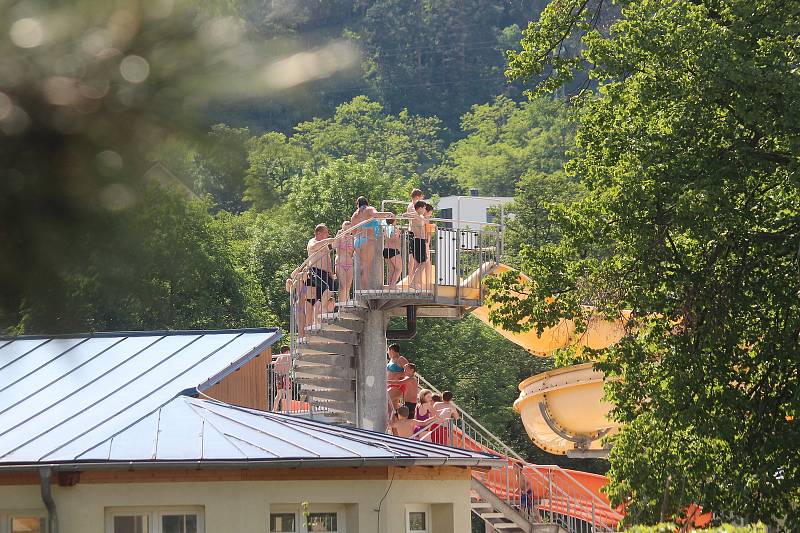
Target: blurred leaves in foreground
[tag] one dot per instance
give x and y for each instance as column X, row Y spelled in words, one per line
column 89, row 90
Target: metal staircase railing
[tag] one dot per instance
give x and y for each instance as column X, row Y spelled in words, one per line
column 541, row 493
column 457, row 260
column 317, row 377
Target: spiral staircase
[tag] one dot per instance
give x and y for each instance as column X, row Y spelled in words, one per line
column 338, row 374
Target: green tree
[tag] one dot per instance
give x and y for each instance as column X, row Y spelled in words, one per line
column 328, row 195
column 221, row 165
column 689, row 150
column 409, row 64
column 273, row 162
column 537, row 194
column 506, row 140
column 402, row 144
column 277, row 246
column 170, row 266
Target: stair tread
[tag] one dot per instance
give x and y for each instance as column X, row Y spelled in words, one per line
column 325, row 371
column 312, row 348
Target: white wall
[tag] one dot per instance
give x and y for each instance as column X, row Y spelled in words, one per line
column 244, row 506
column 471, row 208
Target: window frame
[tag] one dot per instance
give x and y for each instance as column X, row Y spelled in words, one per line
column 297, row 525
column 418, row 508
column 154, row 514
column 7, row 514
column 301, row 520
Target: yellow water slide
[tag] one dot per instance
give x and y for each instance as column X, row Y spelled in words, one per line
column 563, row 410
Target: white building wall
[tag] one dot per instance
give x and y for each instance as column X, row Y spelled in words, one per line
column 244, row 506
column 470, row 208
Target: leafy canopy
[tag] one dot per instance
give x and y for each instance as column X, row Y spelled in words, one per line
column 507, row 140
column 689, row 150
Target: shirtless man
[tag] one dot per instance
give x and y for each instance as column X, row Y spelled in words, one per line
column 416, row 196
column 411, row 210
column 418, row 245
column 410, row 387
column 445, row 410
column 320, row 272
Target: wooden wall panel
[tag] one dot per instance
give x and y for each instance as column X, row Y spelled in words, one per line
column 247, row 386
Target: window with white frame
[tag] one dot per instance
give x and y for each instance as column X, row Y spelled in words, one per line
column 155, row 520
column 23, row 521
column 317, row 519
column 418, row 518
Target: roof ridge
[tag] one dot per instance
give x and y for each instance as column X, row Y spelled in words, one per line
column 142, row 333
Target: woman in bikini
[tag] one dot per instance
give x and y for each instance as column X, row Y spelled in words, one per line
column 395, row 372
column 366, row 237
column 391, row 252
column 344, row 261
column 423, row 412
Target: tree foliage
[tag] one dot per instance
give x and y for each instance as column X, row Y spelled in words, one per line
column 689, row 151
column 169, row 266
column 507, row 140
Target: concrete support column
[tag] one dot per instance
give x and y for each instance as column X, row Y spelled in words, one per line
column 371, row 396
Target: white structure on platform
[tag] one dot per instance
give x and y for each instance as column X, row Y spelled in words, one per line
column 473, row 208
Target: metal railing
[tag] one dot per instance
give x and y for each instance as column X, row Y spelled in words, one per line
column 540, row 493
column 424, row 260
column 410, row 259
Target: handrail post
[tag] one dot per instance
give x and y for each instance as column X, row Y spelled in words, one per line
column 550, row 492
column 508, row 483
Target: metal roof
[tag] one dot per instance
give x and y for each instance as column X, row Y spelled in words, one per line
column 124, row 399
column 192, row 429
column 62, row 395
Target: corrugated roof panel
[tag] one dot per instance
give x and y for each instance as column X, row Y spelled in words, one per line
column 67, row 395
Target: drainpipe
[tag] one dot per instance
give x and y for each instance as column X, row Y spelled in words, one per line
column 411, row 326
column 46, row 476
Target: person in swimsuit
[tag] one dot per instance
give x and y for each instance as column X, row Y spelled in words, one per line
column 280, row 368
column 419, row 247
column 407, row 384
column 403, row 423
column 297, row 287
column 366, row 237
column 391, row 252
column 395, row 374
column 423, row 412
column 343, row 243
column 320, row 272
column 411, row 211
column 411, row 391
column 446, row 411
column 430, row 228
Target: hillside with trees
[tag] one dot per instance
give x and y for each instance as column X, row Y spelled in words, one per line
column 164, row 165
